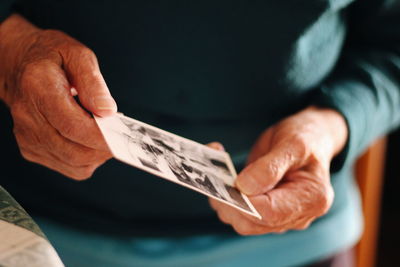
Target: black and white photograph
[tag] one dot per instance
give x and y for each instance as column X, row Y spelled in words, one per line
column 175, row 158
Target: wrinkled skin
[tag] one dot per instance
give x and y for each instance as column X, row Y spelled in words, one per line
column 287, row 177
column 40, row 67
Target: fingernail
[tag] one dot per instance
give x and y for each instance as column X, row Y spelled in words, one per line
column 247, row 185
column 105, row 103
column 74, row 92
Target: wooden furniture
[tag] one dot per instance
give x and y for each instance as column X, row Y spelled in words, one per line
column 369, row 174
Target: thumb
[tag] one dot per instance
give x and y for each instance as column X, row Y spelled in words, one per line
column 84, row 74
column 265, row 173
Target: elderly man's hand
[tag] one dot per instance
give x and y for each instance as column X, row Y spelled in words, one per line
column 38, row 71
column 287, row 176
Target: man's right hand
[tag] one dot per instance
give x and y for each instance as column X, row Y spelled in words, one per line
column 38, row 69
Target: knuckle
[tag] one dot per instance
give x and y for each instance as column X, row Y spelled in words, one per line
column 223, row 218
column 243, row 231
column 212, row 204
column 73, row 158
column 87, row 60
column 100, row 159
column 89, row 170
column 29, row 72
column 84, row 53
column 34, row 77
column 18, row 131
column 26, row 138
column 325, row 199
column 53, row 34
column 303, row 226
column 27, row 155
column 299, row 144
column 18, row 112
column 28, row 77
column 22, row 143
column 281, row 231
column 67, row 129
column 77, row 176
column 85, row 172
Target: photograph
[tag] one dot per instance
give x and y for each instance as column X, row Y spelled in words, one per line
column 175, row 158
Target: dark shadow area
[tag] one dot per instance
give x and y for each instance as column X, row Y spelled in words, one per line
column 389, row 233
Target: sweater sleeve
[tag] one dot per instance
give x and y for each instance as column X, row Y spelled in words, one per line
column 365, row 86
column 5, row 9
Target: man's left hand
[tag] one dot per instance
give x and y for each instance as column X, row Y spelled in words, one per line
column 287, row 177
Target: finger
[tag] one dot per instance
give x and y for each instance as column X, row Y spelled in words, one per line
column 302, row 196
column 220, row 206
column 57, row 106
column 238, row 220
column 76, row 173
column 82, row 69
column 224, row 211
column 303, row 224
column 243, row 223
column 216, row 146
column 70, row 152
column 246, row 225
column 263, row 174
column 45, row 140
